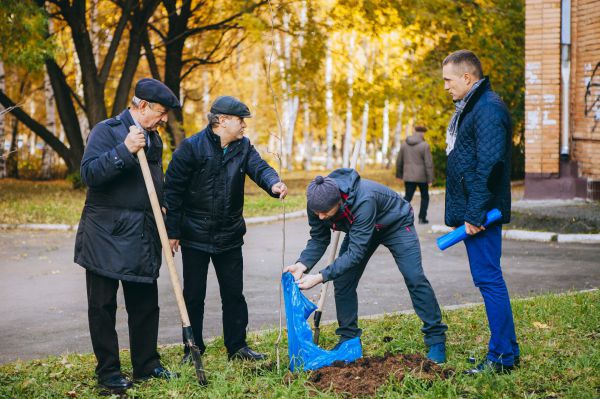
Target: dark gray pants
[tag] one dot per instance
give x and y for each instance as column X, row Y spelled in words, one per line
column 403, row 243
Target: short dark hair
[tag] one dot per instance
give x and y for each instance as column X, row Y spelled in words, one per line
column 420, row 129
column 467, row 60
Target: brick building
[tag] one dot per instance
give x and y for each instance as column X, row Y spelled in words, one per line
column 562, row 99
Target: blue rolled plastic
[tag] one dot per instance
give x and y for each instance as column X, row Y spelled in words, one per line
column 303, row 353
column 448, row 240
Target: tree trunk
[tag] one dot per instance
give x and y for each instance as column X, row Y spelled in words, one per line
column 329, row 103
column 397, row 134
column 307, row 137
column 347, row 149
column 386, row 130
column 2, row 126
column 363, row 135
column 12, row 161
column 48, row 156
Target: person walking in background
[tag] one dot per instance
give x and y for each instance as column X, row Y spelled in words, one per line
column 415, row 166
column 477, row 180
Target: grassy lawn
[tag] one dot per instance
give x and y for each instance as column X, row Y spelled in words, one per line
column 559, row 337
column 23, row 201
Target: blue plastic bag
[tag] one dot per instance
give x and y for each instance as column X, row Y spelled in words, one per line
column 303, row 353
column 459, row 234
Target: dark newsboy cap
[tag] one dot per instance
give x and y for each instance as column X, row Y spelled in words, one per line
column 229, row 105
column 155, row 91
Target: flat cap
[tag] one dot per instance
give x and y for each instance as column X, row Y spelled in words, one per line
column 228, row 105
column 155, row 91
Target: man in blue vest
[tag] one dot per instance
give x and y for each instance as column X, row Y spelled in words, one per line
column 479, row 141
column 117, row 240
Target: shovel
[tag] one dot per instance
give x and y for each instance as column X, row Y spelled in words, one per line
column 164, row 240
column 332, row 255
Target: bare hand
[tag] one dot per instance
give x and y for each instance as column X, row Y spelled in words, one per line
column 297, row 270
column 309, row 281
column 174, row 246
column 472, row 229
column 280, row 188
column 135, row 140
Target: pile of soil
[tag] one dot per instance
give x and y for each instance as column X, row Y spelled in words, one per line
column 363, row 377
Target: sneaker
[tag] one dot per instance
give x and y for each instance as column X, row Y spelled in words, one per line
column 246, row 353
column 437, row 353
column 488, row 366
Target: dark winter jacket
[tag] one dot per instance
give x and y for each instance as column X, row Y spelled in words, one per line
column 414, row 163
column 117, row 236
column 367, row 207
column 204, row 191
column 478, row 169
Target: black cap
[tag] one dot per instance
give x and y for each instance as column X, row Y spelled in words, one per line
column 229, row 105
column 155, row 91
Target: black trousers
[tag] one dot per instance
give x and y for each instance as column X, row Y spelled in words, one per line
column 410, row 188
column 229, row 267
column 141, row 302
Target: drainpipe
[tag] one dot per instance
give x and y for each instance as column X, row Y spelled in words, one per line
column 565, row 69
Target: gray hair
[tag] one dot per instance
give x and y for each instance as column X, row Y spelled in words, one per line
column 136, row 102
column 213, row 119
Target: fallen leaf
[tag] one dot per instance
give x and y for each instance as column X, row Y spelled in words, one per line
column 539, row 325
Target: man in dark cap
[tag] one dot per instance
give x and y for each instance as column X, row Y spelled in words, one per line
column 117, row 238
column 204, row 191
column 371, row 215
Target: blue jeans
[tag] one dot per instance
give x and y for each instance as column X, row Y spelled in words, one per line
column 403, row 243
column 484, row 251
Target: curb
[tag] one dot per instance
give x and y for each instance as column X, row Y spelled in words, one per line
column 539, row 236
column 518, row 235
column 73, row 227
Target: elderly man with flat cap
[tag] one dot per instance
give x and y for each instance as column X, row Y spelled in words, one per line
column 204, row 192
column 371, row 215
column 117, row 238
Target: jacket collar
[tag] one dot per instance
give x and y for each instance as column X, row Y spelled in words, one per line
column 482, row 88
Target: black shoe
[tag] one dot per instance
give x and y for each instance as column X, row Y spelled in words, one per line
column 159, row 372
column 423, row 221
column 247, row 354
column 488, row 366
column 115, row 383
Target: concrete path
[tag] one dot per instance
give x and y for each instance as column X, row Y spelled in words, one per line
column 43, row 307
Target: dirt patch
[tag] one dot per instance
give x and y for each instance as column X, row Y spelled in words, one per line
column 362, row 377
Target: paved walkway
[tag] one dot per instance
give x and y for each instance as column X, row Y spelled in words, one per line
column 43, row 307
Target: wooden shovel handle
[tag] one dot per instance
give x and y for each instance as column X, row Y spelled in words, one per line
column 164, row 238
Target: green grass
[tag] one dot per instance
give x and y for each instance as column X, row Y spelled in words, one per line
column 559, row 337
column 23, row 201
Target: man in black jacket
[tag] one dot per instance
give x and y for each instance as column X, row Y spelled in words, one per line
column 478, row 141
column 117, row 238
column 371, row 215
column 204, row 191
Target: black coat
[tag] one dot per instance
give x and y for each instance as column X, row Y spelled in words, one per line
column 204, row 191
column 478, row 169
column 367, row 207
column 117, row 235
